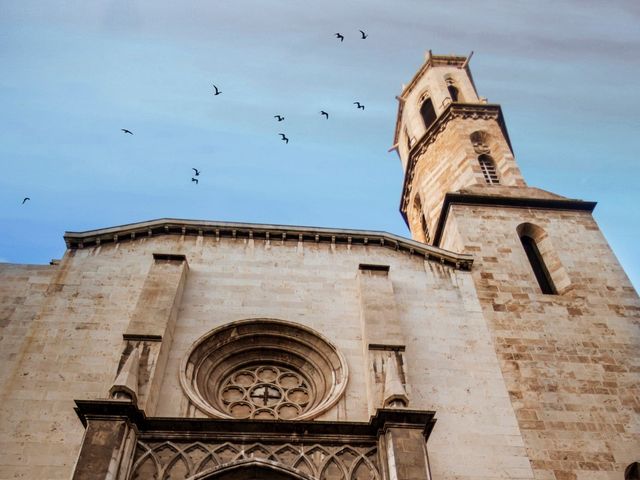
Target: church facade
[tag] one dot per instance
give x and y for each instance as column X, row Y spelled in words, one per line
column 500, row 342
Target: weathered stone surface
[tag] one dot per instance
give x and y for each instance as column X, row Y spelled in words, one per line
column 524, row 385
column 453, row 367
column 570, row 361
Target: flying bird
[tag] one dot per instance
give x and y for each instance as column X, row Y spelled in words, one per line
column 340, row 36
column 359, row 105
column 127, row 131
column 196, row 170
column 284, row 138
column 322, row 112
column 278, row 117
column 364, row 35
column 194, row 180
column 218, row 92
column 25, row 199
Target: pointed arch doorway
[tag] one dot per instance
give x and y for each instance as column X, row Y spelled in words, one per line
column 251, row 469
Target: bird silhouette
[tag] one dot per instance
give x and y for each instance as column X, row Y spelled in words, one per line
column 359, row 105
column 340, row 36
column 284, row 138
column 196, row 170
column 194, row 180
column 322, row 112
column 278, row 117
column 127, row 131
column 25, row 199
column 218, row 92
column 364, row 35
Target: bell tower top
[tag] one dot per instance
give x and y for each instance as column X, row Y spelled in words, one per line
column 448, row 139
column 440, row 81
column 441, row 71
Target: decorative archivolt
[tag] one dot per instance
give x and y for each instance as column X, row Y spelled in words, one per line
column 263, row 368
column 179, row 461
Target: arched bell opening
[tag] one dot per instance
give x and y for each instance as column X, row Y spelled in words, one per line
column 427, row 112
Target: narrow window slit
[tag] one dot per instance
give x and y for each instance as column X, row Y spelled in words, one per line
column 488, row 168
column 538, row 266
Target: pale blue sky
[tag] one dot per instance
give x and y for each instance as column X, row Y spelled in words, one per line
column 76, row 72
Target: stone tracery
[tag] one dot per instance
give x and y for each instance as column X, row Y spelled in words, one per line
column 265, row 391
column 177, row 460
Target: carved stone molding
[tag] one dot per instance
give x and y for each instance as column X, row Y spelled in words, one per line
column 122, row 443
column 164, row 460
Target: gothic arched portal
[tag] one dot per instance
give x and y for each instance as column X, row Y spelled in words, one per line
column 251, row 469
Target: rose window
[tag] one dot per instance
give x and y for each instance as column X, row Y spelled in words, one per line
column 267, row 392
column 263, row 369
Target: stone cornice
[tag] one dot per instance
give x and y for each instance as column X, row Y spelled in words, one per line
column 260, row 429
column 454, row 110
column 502, row 201
column 169, row 226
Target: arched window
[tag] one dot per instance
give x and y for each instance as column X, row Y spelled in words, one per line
column 453, row 93
column 537, row 264
column 421, row 219
column 541, row 254
column 545, row 262
column 428, row 112
column 632, row 472
column 488, row 168
column 425, row 228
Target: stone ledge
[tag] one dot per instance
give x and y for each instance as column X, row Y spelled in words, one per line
column 169, row 226
column 114, row 409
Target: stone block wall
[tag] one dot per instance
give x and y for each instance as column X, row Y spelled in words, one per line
column 571, row 362
column 69, row 350
column 22, row 291
column 450, row 164
column 75, row 342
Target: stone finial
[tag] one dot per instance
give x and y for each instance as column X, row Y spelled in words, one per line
column 125, row 386
column 394, row 393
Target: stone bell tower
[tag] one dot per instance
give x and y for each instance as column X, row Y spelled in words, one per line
column 448, row 138
column 561, row 311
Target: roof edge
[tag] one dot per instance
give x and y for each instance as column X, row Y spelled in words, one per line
column 172, row 226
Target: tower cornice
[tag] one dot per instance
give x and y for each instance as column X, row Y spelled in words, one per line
column 454, row 110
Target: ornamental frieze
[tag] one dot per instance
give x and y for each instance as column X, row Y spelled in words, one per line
column 175, row 460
